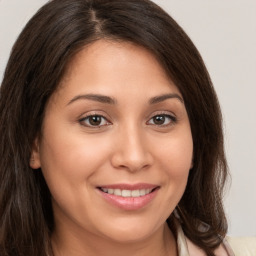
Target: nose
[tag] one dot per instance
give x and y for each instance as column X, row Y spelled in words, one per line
column 132, row 150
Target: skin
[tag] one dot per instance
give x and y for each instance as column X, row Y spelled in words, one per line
column 128, row 145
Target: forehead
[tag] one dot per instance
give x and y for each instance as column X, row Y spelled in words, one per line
column 109, row 67
column 109, row 53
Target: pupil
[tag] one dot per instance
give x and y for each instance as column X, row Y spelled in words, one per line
column 95, row 120
column 159, row 120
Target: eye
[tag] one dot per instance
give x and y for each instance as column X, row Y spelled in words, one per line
column 162, row 120
column 94, row 121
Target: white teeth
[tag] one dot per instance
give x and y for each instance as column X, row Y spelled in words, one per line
column 126, row 192
column 135, row 193
column 142, row 192
column 117, row 192
column 110, row 191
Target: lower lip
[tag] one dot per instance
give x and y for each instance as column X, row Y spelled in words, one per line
column 129, row 203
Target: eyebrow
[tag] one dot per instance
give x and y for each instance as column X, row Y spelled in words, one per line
column 94, row 97
column 109, row 100
column 158, row 99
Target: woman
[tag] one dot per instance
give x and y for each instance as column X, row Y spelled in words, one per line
column 111, row 136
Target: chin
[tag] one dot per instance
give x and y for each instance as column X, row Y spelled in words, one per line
column 129, row 234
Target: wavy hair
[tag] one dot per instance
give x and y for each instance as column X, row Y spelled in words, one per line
column 37, row 63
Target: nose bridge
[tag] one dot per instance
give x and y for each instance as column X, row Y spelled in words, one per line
column 132, row 149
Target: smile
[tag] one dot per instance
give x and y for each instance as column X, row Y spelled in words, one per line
column 129, row 197
column 127, row 193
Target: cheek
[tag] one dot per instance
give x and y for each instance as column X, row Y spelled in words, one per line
column 176, row 160
column 70, row 164
column 177, row 153
column 70, row 159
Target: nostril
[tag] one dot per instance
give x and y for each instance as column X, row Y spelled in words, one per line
column 131, row 161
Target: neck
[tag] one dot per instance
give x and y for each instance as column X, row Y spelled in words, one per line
column 74, row 243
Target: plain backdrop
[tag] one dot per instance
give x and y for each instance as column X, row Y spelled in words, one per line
column 225, row 34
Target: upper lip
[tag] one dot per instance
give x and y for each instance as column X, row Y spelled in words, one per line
column 126, row 186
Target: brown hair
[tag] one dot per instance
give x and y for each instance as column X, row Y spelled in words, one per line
column 35, row 68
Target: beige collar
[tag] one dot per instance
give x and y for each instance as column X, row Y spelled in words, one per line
column 187, row 248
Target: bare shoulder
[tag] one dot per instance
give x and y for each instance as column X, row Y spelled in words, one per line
column 243, row 246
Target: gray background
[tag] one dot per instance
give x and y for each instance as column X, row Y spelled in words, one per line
column 224, row 31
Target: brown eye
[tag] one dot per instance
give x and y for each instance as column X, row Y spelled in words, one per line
column 162, row 120
column 159, row 120
column 94, row 121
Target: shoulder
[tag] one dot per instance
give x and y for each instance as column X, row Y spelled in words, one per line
column 194, row 250
column 243, row 246
column 231, row 246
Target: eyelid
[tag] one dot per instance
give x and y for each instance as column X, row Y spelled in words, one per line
column 83, row 117
column 169, row 114
column 162, row 112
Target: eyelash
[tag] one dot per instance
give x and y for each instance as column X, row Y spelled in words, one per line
column 87, row 118
column 82, row 121
column 172, row 120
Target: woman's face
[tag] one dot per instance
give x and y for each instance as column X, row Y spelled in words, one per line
column 116, row 144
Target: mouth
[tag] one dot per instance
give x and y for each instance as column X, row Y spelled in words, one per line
column 127, row 192
column 129, row 197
